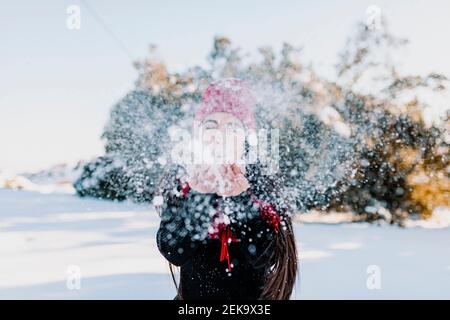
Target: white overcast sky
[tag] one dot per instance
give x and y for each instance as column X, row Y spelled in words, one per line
column 57, row 85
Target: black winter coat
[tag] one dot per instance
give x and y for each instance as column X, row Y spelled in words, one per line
column 184, row 241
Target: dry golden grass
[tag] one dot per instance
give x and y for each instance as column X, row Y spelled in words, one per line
column 429, row 190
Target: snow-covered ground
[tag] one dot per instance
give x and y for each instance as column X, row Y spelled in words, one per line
column 43, row 236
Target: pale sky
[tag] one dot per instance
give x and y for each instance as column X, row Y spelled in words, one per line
column 57, row 85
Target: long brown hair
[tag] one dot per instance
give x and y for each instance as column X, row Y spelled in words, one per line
column 282, row 273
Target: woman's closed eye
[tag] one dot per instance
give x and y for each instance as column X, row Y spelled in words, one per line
column 210, row 124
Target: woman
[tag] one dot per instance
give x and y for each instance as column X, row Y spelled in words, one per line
column 227, row 225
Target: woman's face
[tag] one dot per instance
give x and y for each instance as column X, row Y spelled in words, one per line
column 224, row 134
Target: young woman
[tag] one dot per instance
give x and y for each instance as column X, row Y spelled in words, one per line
column 227, row 226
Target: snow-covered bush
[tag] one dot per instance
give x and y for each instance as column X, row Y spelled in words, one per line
column 136, row 136
column 345, row 144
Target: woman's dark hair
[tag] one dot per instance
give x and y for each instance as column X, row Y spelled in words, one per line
column 282, row 273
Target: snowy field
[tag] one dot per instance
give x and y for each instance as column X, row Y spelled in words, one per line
column 113, row 245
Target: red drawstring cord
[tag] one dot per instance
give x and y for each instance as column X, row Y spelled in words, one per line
column 267, row 213
column 224, row 233
column 185, row 189
column 226, row 237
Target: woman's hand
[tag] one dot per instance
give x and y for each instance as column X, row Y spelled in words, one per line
column 224, row 180
column 201, row 179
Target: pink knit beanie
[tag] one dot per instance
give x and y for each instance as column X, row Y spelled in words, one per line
column 229, row 95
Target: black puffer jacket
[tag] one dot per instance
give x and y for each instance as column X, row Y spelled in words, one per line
column 184, row 241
